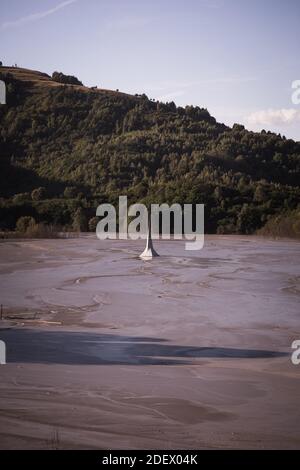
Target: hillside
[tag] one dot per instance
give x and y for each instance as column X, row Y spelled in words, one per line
column 64, row 149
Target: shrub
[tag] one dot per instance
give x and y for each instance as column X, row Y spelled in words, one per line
column 70, row 192
column 38, row 194
column 93, row 224
column 42, row 231
column 283, row 225
column 248, row 219
column 21, row 197
column 80, row 222
column 24, row 223
column 66, row 79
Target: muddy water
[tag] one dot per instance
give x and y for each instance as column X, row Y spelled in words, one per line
column 191, row 349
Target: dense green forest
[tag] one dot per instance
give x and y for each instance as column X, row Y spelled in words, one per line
column 65, row 148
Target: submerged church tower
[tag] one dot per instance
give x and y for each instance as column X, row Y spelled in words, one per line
column 149, row 252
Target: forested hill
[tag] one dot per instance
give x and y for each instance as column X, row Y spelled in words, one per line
column 66, row 148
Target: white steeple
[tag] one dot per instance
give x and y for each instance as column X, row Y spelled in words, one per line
column 149, row 252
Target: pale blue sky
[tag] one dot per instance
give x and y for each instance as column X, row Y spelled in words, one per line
column 238, row 58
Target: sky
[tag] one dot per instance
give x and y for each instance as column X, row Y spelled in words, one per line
column 237, row 58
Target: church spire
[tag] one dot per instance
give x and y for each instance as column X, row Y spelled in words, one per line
column 149, row 252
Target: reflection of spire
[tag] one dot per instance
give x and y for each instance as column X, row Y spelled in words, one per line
column 149, row 252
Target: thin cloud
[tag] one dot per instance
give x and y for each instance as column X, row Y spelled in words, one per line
column 271, row 117
column 36, row 16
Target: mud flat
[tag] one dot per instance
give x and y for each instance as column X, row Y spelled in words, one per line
column 189, row 350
